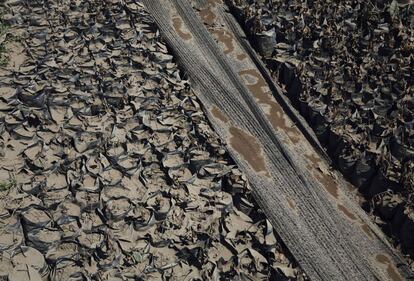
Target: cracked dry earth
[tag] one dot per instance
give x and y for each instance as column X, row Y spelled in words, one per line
column 109, row 169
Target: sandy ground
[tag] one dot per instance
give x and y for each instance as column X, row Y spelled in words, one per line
column 109, row 169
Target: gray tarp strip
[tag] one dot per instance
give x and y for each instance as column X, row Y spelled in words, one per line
column 327, row 245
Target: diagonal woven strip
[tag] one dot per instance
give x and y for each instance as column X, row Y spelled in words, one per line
column 327, row 233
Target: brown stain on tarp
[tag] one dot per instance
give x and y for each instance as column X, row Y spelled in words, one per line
column 291, row 204
column 218, row 114
column 278, row 120
column 206, row 14
column 178, row 24
column 326, row 180
column 249, row 148
column 276, row 115
column 392, row 272
column 209, row 17
column 365, row 228
column 367, row 231
column 314, row 159
column 241, row 57
column 226, row 38
column 346, row 212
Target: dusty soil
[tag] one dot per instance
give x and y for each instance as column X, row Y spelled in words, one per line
column 109, row 169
